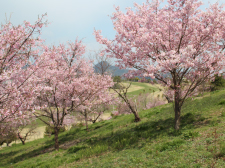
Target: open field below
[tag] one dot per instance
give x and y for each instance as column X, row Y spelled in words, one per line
column 38, row 133
column 155, row 91
column 136, row 87
column 120, row 142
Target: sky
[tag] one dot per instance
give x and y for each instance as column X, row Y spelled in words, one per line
column 69, row 19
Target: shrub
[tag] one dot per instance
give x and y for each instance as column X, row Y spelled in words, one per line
column 117, row 86
column 222, row 102
column 50, row 130
column 218, row 83
column 8, row 138
column 117, row 79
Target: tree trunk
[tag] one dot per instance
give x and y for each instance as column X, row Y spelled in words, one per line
column 168, row 99
column 93, row 121
column 21, row 139
column 177, row 109
column 56, row 138
column 86, row 121
column 177, row 118
column 203, row 88
column 136, row 116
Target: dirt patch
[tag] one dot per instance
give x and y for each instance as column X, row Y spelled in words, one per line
column 105, row 116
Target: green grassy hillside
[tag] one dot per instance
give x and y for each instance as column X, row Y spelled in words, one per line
column 120, row 142
column 138, row 87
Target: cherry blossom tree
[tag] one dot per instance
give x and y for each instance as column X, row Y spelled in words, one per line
column 25, row 128
column 173, row 43
column 99, row 109
column 19, row 48
column 18, row 128
column 65, row 82
column 7, row 133
column 130, row 106
column 96, row 107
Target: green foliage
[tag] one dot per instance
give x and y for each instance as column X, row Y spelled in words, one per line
column 117, row 86
column 117, row 79
column 10, row 137
column 190, row 134
column 222, row 102
column 135, row 79
column 50, row 130
column 171, row 145
column 218, row 83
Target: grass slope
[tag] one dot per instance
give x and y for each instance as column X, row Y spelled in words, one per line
column 122, row 143
column 138, row 87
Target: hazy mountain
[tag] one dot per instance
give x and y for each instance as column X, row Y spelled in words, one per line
column 115, row 71
column 104, row 66
column 118, row 71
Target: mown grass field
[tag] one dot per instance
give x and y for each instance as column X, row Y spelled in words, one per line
column 155, row 91
column 120, row 142
column 137, row 87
